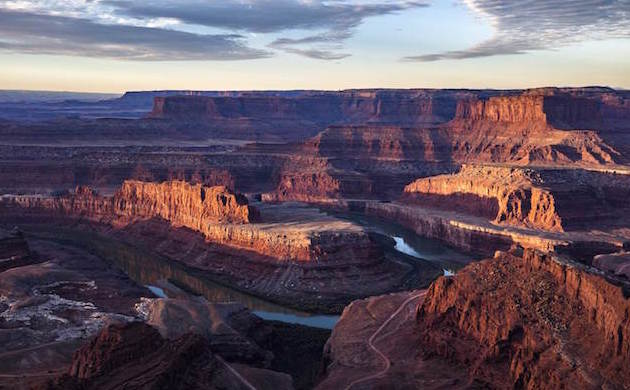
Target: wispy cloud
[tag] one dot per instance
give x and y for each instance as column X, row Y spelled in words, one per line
column 523, row 26
column 33, row 33
column 332, row 21
column 161, row 29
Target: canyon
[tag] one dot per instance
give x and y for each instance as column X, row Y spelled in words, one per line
column 130, row 227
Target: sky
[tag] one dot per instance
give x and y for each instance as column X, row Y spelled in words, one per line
column 122, row 45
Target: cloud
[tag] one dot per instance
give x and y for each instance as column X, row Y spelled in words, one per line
column 337, row 19
column 329, row 42
column 524, row 26
column 261, row 16
column 33, row 33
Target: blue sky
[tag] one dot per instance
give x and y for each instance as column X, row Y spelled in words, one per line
column 119, row 45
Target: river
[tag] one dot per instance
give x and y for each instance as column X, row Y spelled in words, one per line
column 167, row 278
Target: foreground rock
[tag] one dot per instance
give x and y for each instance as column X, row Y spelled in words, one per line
column 375, row 346
column 135, row 356
column 53, row 302
column 66, row 295
column 518, row 320
column 530, row 322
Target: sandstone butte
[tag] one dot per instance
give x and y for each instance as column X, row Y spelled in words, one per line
column 530, row 321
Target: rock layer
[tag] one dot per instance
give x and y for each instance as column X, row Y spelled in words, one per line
column 530, row 322
column 506, row 195
column 546, row 199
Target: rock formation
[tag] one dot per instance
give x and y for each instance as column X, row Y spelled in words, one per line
column 135, row 356
column 293, row 254
column 530, row 322
column 506, row 195
column 550, row 200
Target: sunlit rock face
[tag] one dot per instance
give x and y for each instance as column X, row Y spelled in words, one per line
column 531, row 321
column 546, row 199
column 181, row 203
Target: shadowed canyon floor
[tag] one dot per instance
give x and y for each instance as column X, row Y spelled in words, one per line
column 203, row 231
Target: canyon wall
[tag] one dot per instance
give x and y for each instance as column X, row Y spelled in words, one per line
column 507, row 195
column 545, row 199
column 502, row 109
column 183, row 204
column 352, row 106
column 220, row 215
column 561, row 110
column 530, row 322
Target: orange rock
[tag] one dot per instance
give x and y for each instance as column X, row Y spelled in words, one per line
column 532, row 322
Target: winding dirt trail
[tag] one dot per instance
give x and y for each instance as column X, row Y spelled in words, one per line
column 373, row 337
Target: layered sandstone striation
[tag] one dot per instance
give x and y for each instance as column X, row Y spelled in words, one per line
column 534, row 127
column 183, row 204
column 558, row 109
column 220, row 215
column 545, row 199
column 531, row 321
column 507, row 195
column 324, row 107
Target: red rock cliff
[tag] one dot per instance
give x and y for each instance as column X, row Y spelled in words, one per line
column 181, row 203
column 502, row 109
column 531, row 322
column 513, row 196
column 561, row 110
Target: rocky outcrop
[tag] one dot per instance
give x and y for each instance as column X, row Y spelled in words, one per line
column 191, row 205
column 502, row 109
column 183, row 204
column 304, row 186
column 374, row 346
column 561, row 110
column 507, row 195
column 529, row 322
column 135, row 356
column 295, row 255
column 545, row 199
column 220, row 215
